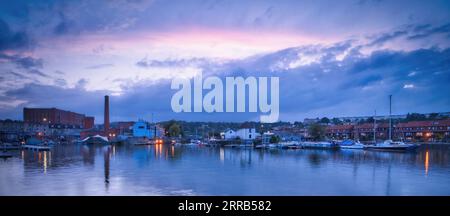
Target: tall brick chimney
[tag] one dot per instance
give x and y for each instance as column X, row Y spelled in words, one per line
column 106, row 118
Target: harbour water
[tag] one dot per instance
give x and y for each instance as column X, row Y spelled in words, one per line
column 194, row 170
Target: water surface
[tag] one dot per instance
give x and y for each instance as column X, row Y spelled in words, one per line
column 173, row 170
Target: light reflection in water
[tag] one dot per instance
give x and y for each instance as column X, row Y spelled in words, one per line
column 106, row 157
column 45, row 162
column 158, row 150
column 222, row 154
column 173, row 151
column 49, row 158
column 427, row 161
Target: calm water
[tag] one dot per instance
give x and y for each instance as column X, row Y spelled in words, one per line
column 168, row 170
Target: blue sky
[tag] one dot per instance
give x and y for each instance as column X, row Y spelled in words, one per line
column 334, row 58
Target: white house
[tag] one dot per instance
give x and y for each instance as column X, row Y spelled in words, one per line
column 229, row 134
column 247, row 133
column 243, row 133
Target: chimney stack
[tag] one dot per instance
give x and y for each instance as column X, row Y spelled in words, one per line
column 106, row 118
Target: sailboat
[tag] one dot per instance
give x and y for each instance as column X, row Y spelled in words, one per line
column 389, row 145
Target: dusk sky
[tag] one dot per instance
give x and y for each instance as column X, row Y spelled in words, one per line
column 334, row 58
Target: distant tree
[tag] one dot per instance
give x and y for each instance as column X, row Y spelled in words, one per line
column 299, row 124
column 274, row 139
column 336, row 121
column 316, row 131
column 370, row 120
column 433, row 116
column 415, row 117
column 174, row 130
column 361, row 121
column 325, row 120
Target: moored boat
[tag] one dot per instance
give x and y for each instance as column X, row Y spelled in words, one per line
column 350, row 144
column 322, row 145
column 97, row 139
column 390, row 145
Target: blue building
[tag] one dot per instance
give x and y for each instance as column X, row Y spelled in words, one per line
column 144, row 129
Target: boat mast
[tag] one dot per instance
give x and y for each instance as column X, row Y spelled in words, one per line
column 154, row 128
column 374, row 128
column 390, row 117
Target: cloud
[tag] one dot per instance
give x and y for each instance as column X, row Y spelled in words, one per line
column 424, row 31
column 25, row 62
column 387, row 37
column 60, row 82
column 356, row 84
column 81, row 84
column 192, row 62
column 65, row 26
column 12, row 40
column 99, row 66
column 18, row 75
column 38, row 72
column 341, row 72
column 408, row 86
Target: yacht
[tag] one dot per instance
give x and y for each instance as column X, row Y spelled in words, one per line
column 390, row 145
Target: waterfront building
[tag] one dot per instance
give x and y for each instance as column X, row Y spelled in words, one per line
column 36, row 129
column 88, row 122
column 229, row 134
column 424, row 131
column 290, row 132
column 415, row 131
column 242, row 133
column 265, row 138
column 385, row 117
column 123, row 127
column 11, row 130
column 340, row 132
column 142, row 128
column 54, row 116
column 365, row 132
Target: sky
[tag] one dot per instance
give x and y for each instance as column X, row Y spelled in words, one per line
column 333, row 58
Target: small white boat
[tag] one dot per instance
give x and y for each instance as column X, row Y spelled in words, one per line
column 289, row 145
column 350, row 144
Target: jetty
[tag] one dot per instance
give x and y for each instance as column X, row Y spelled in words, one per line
column 36, row 147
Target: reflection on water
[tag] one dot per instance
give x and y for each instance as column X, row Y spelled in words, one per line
column 427, row 154
column 174, row 170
